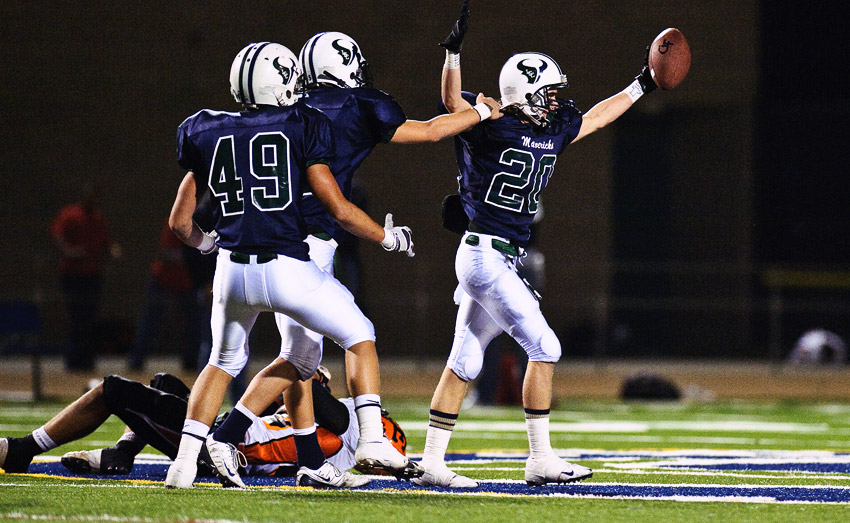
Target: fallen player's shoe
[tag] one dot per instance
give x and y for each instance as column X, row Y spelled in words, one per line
column 439, row 475
column 552, row 469
column 382, row 456
column 10, row 459
column 328, row 476
column 226, row 460
column 106, row 461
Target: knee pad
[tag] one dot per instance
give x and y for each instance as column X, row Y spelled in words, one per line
column 467, row 366
column 231, row 362
column 548, row 349
column 305, row 362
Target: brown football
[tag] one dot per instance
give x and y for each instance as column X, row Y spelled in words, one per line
column 669, row 58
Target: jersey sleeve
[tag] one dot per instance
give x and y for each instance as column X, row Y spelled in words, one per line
column 319, row 143
column 387, row 116
column 570, row 118
column 188, row 155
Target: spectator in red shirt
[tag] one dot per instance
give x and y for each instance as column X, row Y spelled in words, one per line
column 80, row 233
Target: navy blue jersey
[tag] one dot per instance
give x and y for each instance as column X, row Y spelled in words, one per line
column 503, row 167
column 362, row 118
column 255, row 164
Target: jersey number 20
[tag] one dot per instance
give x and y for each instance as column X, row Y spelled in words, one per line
column 269, row 161
column 509, row 191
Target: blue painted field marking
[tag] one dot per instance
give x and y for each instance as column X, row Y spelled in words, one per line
column 154, row 468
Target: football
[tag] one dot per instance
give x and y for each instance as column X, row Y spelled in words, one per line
column 669, row 58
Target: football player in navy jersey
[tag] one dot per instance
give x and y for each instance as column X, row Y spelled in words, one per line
column 338, row 81
column 504, row 165
column 256, row 164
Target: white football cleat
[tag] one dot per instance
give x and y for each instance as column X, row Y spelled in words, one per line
column 181, row 474
column 106, row 461
column 226, row 461
column 552, row 469
column 439, row 475
column 381, row 455
column 328, row 476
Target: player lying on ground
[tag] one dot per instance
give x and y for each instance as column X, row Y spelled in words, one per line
column 504, row 165
column 154, row 416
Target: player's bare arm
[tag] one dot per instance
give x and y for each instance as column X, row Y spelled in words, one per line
column 612, row 108
column 445, row 125
column 180, row 220
column 603, row 114
column 450, row 83
column 351, row 217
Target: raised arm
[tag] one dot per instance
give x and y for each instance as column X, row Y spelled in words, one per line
column 450, row 83
column 612, row 108
column 352, row 218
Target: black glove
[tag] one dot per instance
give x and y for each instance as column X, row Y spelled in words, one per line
column 645, row 77
column 454, row 42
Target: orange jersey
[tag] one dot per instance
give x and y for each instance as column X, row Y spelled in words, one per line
column 270, row 445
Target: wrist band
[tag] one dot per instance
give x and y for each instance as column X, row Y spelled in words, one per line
column 206, row 244
column 389, row 241
column 634, row 91
column 452, row 60
column 483, row 110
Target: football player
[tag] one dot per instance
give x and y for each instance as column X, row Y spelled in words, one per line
column 337, row 80
column 257, row 163
column 154, row 416
column 504, row 165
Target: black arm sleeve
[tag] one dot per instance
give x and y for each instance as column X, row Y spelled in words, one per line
column 330, row 413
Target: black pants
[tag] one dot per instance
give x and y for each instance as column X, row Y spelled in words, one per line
column 154, row 415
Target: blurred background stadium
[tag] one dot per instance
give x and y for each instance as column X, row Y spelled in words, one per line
column 709, row 224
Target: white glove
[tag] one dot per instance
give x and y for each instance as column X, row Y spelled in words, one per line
column 397, row 238
column 208, row 244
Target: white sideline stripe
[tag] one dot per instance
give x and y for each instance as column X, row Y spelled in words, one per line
column 635, row 427
column 639, row 472
column 656, row 439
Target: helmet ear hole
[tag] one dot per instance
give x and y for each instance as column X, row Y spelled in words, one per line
column 264, row 73
column 332, row 58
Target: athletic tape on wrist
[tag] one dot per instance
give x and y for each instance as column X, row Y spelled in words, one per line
column 452, row 60
column 634, row 91
column 207, row 243
column 389, row 241
column 483, row 110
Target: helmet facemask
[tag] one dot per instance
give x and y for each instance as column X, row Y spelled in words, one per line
column 541, row 105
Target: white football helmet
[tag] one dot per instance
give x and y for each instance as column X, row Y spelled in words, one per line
column 264, row 73
column 525, row 81
column 334, row 58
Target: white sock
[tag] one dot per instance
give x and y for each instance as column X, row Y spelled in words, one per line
column 538, row 435
column 368, row 409
column 44, row 441
column 194, row 434
column 436, row 443
column 303, row 432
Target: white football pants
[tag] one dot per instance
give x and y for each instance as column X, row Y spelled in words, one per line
column 296, row 341
column 301, row 290
column 492, row 299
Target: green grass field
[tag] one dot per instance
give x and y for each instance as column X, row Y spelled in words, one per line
column 652, row 461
